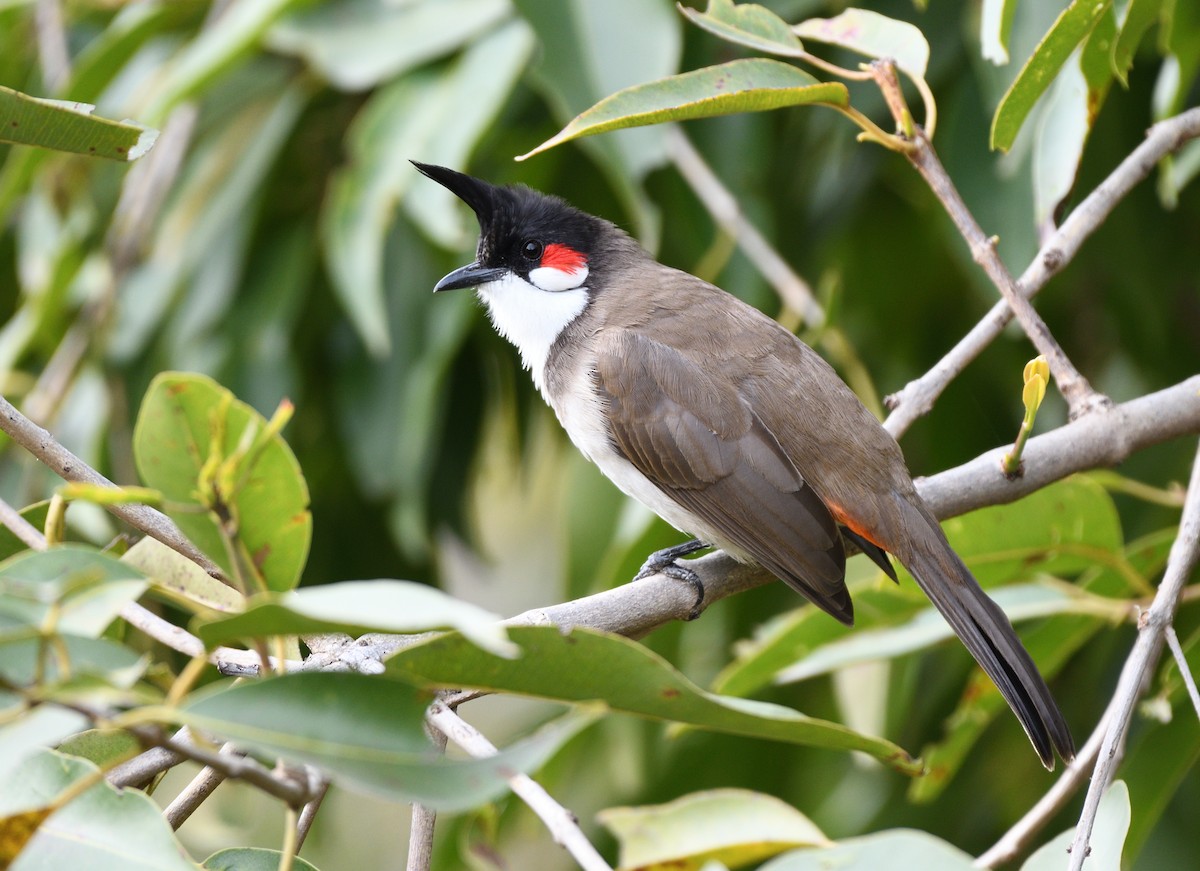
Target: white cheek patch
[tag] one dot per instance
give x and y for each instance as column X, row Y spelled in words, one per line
column 530, row 318
column 553, row 279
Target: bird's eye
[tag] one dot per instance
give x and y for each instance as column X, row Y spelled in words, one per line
column 531, row 249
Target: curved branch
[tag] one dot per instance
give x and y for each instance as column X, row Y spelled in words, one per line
column 1165, row 137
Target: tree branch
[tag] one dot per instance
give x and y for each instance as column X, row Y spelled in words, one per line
column 1165, row 137
column 561, row 822
column 69, row 467
column 1146, row 651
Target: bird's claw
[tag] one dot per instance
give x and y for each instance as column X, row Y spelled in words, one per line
column 666, row 562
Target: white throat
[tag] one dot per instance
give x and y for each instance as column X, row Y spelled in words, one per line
column 531, row 318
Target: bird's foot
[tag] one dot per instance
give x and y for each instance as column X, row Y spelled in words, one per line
column 666, row 562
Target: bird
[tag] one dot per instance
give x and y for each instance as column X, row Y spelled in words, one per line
column 721, row 422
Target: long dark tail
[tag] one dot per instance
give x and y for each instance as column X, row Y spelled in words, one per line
column 986, row 633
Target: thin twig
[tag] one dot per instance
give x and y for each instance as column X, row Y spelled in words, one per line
column 724, row 209
column 563, row 826
column 1074, row 387
column 424, row 819
column 1138, row 667
column 309, row 814
column 195, row 793
column 29, row 534
column 1075, row 775
column 1184, row 670
column 66, row 465
column 1165, row 137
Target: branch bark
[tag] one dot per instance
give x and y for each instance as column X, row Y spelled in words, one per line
column 1165, row 137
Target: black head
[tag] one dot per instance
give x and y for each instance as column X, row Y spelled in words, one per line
column 538, row 237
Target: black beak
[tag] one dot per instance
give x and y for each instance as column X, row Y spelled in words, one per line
column 471, row 275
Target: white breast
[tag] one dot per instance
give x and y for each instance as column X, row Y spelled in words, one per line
column 531, row 318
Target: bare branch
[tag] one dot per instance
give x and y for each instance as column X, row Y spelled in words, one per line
column 1184, row 671
column 424, row 819
column 69, row 467
column 1137, row 671
column 309, row 814
column 724, row 208
column 1163, row 138
column 1074, row 387
column 1021, row 835
column 20, row 527
column 195, row 793
column 561, row 822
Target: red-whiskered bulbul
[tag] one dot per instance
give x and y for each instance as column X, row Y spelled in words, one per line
column 721, row 422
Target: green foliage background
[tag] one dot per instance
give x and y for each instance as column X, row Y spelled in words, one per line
column 295, row 254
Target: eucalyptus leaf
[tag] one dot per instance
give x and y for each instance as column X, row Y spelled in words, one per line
column 357, row 607
column 583, row 665
column 873, row 35
column 897, row 848
column 181, row 581
column 82, row 589
column 739, row 86
column 181, row 419
column 103, row 829
column 1067, row 32
column 252, row 859
column 732, row 826
column 367, row 733
column 69, row 126
column 1106, row 843
column 359, row 44
column 747, row 24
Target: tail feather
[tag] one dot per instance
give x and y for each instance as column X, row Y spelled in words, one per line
column 986, row 632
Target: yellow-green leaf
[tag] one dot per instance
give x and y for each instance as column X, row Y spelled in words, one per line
column 1068, row 31
column 747, row 24
column 739, row 86
column 67, row 126
column 732, row 826
column 874, row 35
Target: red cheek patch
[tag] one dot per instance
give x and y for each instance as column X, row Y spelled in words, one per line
column 562, row 258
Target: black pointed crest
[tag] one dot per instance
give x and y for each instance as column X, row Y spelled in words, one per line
column 478, row 194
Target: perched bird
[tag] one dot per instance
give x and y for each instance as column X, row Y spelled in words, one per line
column 722, row 422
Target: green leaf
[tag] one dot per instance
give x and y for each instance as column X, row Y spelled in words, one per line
column 217, row 48
column 368, row 733
column 100, row 657
column 358, row 44
column 747, row 24
column 179, row 580
column 1106, row 843
column 356, row 607
column 85, row 589
column 585, row 665
column 252, row 859
column 1139, row 15
column 874, row 35
column 793, row 636
column 104, row 829
column 588, row 50
column 995, row 27
column 733, row 826
column 34, row 730
column 1067, row 32
column 897, row 848
column 437, row 116
column 171, row 443
column 1019, row 602
column 104, row 747
column 1060, row 530
column 66, row 126
column 738, row 86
